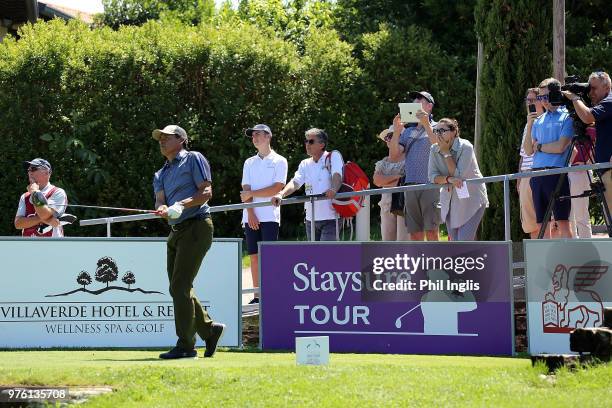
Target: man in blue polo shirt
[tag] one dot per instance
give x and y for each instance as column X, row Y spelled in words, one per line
column 548, row 137
column 185, row 182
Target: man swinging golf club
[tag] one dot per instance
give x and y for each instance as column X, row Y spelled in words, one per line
column 182, row 190
column 41, row 208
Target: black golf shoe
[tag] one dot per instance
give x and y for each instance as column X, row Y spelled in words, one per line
column 216, row 332
column 178, row 352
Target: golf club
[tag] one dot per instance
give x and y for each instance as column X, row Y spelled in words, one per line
column 398, row 321
column 97, row 207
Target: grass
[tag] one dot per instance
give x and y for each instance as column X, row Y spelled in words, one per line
column 140, row 379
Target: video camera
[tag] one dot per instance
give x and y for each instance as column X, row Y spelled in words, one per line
column 556, row 98
column 581, row 89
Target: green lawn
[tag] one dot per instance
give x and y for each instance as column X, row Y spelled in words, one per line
column 272, row 379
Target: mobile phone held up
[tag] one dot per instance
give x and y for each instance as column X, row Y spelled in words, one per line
column 531, row 108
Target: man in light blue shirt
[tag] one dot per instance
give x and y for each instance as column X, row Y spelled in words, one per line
column 548, row 137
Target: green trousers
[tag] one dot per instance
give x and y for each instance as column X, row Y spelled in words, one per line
column 186, row 248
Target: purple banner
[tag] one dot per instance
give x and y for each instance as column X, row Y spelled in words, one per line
column 421, row 298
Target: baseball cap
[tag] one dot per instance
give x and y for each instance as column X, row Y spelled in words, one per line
column 170, row 130
column 265, row 128
column 38, row 162
column 422, row 94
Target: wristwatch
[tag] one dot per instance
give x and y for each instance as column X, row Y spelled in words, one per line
column 539, row 148
column 447, row 155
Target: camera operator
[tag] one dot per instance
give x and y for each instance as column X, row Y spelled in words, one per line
column 548, row 137
column 601, row 114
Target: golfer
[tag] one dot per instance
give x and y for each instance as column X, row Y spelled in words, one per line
column 182, row 189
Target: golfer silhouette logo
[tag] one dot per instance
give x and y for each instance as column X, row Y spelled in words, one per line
column 562, row 311
column 441, row 308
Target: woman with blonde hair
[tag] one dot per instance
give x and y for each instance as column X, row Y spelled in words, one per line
column 451, row 161
column 387, row 173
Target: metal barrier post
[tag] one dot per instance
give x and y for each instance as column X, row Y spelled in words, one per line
column 362, row 221
column 507, row 234
column 108, row 225
column 312, row 218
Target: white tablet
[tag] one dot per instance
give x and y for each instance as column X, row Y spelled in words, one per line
column 408, row 112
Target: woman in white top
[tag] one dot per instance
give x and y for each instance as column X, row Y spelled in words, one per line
column 387, row 172
column 451, row 161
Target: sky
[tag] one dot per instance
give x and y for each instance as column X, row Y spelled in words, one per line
column 89, row 6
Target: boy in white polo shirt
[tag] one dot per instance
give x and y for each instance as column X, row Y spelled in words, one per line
column 321, row 173
column 263, row 175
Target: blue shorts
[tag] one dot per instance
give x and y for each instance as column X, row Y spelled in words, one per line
column 268, row 231
column 542, row 189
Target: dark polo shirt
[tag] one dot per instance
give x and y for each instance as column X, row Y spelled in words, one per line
column 602, row 112
column 179, row 179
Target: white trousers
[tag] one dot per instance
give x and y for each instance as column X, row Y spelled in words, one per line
column 579, row 215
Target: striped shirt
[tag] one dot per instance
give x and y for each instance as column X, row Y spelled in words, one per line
column 527, row 162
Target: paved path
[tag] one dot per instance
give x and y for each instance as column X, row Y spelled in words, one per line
column 247, row 283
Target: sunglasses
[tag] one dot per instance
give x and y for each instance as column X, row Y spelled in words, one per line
column 542, row 97
column 310, row 141
column 441, row 131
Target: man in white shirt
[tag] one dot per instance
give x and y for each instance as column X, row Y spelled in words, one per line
column 263, row 175
column 42, row 204
column 321, row 173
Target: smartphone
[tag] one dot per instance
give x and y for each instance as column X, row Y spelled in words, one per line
column 532, row 108
column 408, row 112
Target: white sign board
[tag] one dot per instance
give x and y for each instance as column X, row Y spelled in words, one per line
column 568, row 284
column 312, row 350
column 107, row 292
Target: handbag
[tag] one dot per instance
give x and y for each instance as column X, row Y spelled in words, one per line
column 397, row 200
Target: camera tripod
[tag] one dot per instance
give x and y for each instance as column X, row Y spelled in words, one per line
column 584, row 146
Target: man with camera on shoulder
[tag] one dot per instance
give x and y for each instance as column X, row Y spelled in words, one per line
column 601, row 114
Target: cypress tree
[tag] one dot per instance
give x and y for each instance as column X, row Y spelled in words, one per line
column 517, row 48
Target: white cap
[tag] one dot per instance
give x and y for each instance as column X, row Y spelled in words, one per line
column 170, row 130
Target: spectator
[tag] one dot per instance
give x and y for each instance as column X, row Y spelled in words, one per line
column 263, row 175
column 319, row 176
column 42, row 205
column 601, row 114
column 387, row 173
column 580, row 181
column 421, row 212
column 451, row 161
column 528, row 216
column 548, row 137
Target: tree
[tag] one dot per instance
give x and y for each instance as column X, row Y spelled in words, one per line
column 107, row 270
column 83, row 279
column 129, row 278
column 516, row 40
column 137, row 12
column 447, row 19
